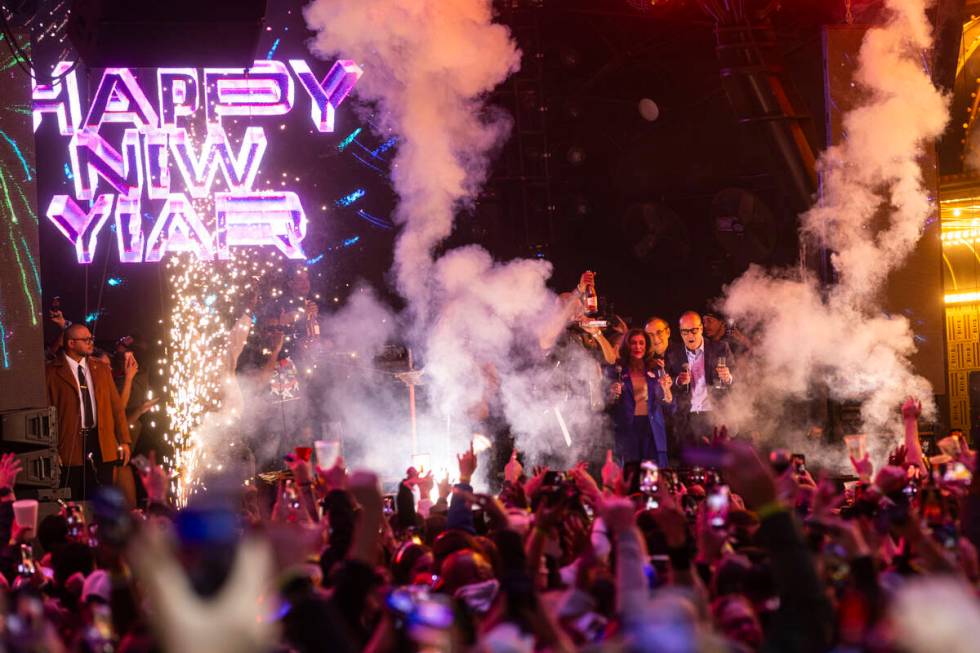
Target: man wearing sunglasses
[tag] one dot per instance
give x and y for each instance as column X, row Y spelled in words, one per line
column 702, row 373
column 93, row 434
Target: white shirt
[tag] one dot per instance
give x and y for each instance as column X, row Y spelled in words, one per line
column 699, row 383
column 83, row 364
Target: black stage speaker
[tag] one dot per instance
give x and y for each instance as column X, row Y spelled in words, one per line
column 39, row 469
column 30, row 428
column 193, row 33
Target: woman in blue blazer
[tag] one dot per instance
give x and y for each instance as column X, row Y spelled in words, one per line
column 641, row 395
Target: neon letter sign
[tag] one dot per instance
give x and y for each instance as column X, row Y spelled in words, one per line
column 154, row 144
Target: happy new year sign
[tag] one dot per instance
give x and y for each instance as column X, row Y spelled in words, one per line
column 158, row 154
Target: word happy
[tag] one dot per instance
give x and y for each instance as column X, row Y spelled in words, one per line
column 155, row 144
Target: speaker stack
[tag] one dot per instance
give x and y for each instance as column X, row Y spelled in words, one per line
column 32, row 434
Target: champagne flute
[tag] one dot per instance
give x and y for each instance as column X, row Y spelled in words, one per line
column 719, row 365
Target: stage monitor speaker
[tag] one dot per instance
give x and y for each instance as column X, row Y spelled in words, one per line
column 123, row 33
column 33, row 427
column 39, row 469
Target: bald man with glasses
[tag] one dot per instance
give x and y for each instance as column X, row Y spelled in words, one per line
column 93, row 435
column 702, row 374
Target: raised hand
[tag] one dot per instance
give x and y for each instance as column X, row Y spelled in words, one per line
column 130, row 366
column 825, row 500
column 611, row 472
column 445, row 487
column 155, row 480
column 467, row 464
column 912, row 408
column 366, row 490
column 617, row 513
column 533, row 483
column 748, row 477
column 513, row 469
column 334, row 478
column 58, row 318
column 425, row 482
column 587, row 279
column 584, row 482
column 10, row 467
column 621, row 327
column 898, row 456
column 863, row 467
column 231, row 621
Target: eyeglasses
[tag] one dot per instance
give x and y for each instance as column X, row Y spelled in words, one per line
column 89, row 339
column 690, row 332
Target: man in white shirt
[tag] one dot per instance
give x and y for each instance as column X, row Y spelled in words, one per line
column 93, row 433
column 702, row 373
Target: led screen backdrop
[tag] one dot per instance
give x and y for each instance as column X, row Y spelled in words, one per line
column 21, row 359
column 280, row 162
column 150, row 142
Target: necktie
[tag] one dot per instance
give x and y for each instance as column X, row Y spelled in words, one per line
column 88, row 418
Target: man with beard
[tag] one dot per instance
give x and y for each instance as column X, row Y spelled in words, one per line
column 93, row 433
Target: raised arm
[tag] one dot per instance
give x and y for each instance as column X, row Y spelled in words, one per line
column 910, row 416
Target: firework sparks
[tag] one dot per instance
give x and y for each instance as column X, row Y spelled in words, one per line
column 206, row 304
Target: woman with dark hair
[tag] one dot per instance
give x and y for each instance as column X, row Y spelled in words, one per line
column 641, row 390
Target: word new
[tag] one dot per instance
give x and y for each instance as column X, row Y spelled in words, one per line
column 154, row 142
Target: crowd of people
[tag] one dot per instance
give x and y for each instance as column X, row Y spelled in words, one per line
column 748, row 553
column 683, row 539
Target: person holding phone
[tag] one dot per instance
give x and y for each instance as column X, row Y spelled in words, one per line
column 132, row 382
column 642, row 394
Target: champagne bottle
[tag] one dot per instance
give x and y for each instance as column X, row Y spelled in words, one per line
column 591, row 301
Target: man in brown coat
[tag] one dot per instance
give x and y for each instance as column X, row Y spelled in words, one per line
column 92, row 431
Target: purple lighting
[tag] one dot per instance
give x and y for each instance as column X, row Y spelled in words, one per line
column 154, row 145
column 327, row 95
column 267, row 218
column 265, row 90
column 178, row 229
column 92, row 157
column 119, row 98
column 79, row 227
column 198, row 172
column 59, row 97
column 177, row 90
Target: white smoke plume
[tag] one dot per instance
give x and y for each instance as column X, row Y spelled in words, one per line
column 935, row 614
column 473, row 322
column 428, row 65
column 870, row 213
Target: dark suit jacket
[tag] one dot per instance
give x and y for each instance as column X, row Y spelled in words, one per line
column 676, row 356
column 110, row 414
